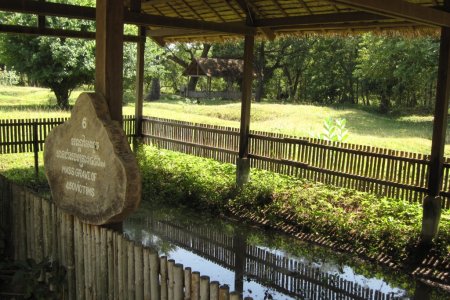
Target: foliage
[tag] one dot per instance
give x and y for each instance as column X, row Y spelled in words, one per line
column 61, row 64
column 172, row 178
column 34, row 280
column 401, row 71
column 375, row 224
column 334, row 130
column 9, row 77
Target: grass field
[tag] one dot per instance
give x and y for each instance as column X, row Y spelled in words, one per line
column 406, row 133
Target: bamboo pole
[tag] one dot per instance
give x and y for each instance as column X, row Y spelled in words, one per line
column 195, row 286
column 170, row 276
column 146, row 273
column 154, row 275
column 204, row 288
column 224, row 292
column 131, row 280
column 187, row 282
column 235, row 296
column 103, row 257
column 163, row 269
column 178, row 282
column 214, row 290
column 138, row 276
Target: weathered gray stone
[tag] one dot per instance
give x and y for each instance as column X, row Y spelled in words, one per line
column 89, row 164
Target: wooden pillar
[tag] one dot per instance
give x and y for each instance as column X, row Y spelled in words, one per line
column 109, row 54
column 243, row 163
column 139, row 83
column 432, row 202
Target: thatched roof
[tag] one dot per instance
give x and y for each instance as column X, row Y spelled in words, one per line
column 215, row 67
column 218, row 20
column 272, row 18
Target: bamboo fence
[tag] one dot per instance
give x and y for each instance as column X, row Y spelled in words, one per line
column 380, row 171
column 384, row 172
column 100, row 263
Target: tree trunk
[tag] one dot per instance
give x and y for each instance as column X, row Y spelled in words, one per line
column 62, row 97
column 384, row 103
column 260, row 76
column 155, row 92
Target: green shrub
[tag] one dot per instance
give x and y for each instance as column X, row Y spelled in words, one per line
column 376, row 224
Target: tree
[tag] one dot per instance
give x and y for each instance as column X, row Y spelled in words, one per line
column 400, row 72
column 60, row 64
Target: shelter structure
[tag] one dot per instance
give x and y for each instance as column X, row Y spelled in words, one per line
column 228, row 69
column 168, row 21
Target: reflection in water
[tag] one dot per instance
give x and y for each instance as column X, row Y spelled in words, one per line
column 260, row 264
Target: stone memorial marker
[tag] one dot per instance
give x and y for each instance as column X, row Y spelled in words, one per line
column 89, row 165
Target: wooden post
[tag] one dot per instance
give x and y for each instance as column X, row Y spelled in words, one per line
column 109, row 54
column 36, row 148
column 139, row 85
column 432, row 202
column 243, row 163
column 135, row 6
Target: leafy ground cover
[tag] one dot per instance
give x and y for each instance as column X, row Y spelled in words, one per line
column 407, row 133
column 363, row 221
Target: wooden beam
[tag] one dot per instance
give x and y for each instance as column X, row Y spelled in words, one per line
column 319, row 19
column 109, row 55
column 346, row 26
column 401, row 9
column 243, row 163
column 161, row 21
column 140, row 19
column 432, row 203
column 48, row 9
column 63, row 33
column 163, row 32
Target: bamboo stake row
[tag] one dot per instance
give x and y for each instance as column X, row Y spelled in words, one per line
column 100, row 263
column 384, row 172
column 22, row 135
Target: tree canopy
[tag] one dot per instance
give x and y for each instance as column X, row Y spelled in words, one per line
column 60, row 64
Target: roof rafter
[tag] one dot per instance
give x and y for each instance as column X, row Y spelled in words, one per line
column 401, row 9
column 88, row 13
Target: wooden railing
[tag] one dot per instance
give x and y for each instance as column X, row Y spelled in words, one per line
column 100, row 263
column 380, row 171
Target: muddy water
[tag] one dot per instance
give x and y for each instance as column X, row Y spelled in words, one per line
column 266, row 265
